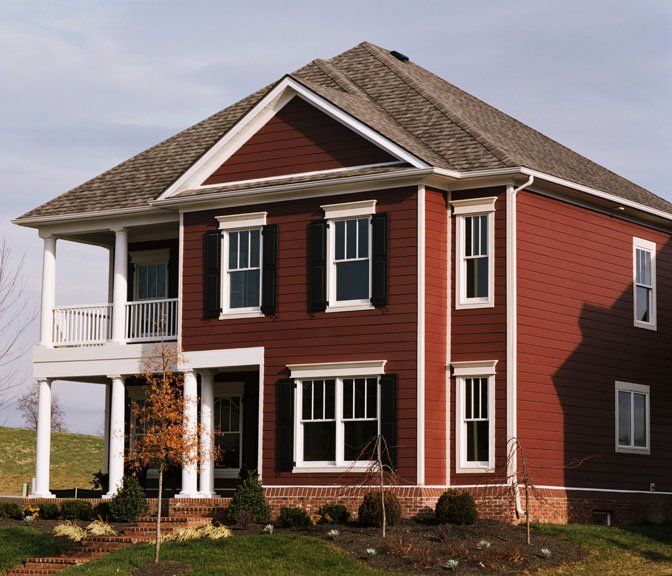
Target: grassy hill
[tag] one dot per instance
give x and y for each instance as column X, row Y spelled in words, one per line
column 74, row 459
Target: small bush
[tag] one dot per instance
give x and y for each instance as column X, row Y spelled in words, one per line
column 102, row 511
column 129, row 502
column 333, row 513
column 10, row 510
column 371, row 510
column 70, row 531
column 101, row 481
column 243, row 519
column 248, row 497
column 76, row 510
column 444, row 532
column 50, row 511
column 293, row 517
column 456, row 507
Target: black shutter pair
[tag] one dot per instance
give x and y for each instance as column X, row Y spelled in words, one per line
column 212, row 262
column 317, row 263
column 284, row 421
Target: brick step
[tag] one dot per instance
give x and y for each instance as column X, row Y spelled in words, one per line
column 53, row 560
column 152, row 520
column 35, row 571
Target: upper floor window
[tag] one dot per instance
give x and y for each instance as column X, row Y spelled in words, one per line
column 475, row 246
column 150, row 274
column 242, row 284
column 644, row 283
column 632, row 418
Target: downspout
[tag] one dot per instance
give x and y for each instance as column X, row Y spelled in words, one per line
column 512, row 339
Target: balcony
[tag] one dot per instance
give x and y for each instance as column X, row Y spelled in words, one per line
column 91, row 325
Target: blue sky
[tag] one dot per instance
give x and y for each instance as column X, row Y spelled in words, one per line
column 84, row 85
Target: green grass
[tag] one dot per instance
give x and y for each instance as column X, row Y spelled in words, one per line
column 627, row 551
column 276, row 555
column 20, row 542
column 74, row 459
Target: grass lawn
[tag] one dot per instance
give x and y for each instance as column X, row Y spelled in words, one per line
column 20, row 542
column 74, row 459
column 627, row 551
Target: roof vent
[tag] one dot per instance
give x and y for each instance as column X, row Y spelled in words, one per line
column 399, row 56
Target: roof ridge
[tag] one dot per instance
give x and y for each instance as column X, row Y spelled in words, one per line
column 493, row 148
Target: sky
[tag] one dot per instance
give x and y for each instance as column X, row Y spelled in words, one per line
column 85, row 85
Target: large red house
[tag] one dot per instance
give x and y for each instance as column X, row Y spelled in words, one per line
column 361, row 248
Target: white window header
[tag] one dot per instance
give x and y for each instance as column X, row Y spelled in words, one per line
column 349, row 209
column 475, row 368
column 235, row 221
column 474, row 206
column 337, row 369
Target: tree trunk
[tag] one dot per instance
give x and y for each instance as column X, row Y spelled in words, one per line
column 382, row 484
column 527, row 512
column 157, row 548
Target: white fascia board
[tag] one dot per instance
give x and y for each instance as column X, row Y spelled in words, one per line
column 474, row 368
column 349, row 209
column 236, row 221
column 263, row 111
column 337, row 369
column 221, row 358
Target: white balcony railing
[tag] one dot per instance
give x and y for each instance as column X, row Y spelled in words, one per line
column 89, row 325
column 151, row 320
column 82, row 325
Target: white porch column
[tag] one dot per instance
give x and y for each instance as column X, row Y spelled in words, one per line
column 116, row 435
column 207, row 480
column 106, row 431
column 190, row 424
column 43, row 452
column 120, row 288
column 48, row 290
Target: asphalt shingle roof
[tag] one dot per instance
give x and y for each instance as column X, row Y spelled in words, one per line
column 431, row 118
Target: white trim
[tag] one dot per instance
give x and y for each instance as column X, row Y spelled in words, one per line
column 337, row 369
column 474, row 368
column 614, row 490
column 228, row 315
column 180, row 273
column 356, row 468
column 474, row 206
column 150, row 256
column 221, row 358
column 260, row 431
column 265, row 109
column 349, row 307
column 420, row 417
column 462, row 466
column 238, row 221
column 647, row 246
column 449, row 325
column 349, row 209
column 641, row 389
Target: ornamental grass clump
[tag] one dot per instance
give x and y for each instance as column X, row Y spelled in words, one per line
column 208, row 531
column 70, row 531
column 100, row 528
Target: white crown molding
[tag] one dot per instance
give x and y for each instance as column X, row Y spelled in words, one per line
column 236, row 221
column 474, row 368
column 337, row 369
column 349, row 209
column 474, row 206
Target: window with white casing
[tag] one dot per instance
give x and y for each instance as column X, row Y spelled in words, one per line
column 475, row 416
column 633, row 417
column 475, row 252
column 150, row 278
column 644, row 283
column 241, row 263
column 228, row 424
column 336, row 421
column 349, row 253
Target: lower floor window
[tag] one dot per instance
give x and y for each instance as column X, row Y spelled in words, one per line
column 632, row 417
column 337, row 421
column 475, row 410
column 228, row 424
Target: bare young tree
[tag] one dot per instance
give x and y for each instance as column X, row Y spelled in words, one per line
column 27, row 405
column 16, row 316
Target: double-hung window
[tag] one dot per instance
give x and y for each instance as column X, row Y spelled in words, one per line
column 632, row 418
column 644, row 283
column 475, row 412
column 349, row 254
column 150, row 277
column 475, row 246
column 228, row 431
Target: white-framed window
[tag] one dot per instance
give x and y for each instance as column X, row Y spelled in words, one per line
column 242, row 257
column 475, row 416
column 644, row 283
column 349, row 255
column 150, row 274
column 336, row 418
column 228, row 421
column 633, row 418
column 475, row 251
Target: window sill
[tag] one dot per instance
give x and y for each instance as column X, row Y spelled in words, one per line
column 633, row 450
column 645, row 325
column 327, row 469
column 475, row 470
column 235, row 315
column 349, row 308
column 473, row 305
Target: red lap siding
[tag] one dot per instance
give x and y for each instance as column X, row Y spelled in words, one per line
column 576, row 339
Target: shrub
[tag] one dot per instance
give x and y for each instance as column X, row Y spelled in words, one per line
column 101, row 481
column 248, row 497
column 333, row 513
column 371, row 510
column 129, row 502
column 243, row 519
column 50, row 511
column 10, row 510
column 102, row 511
column 293, row 517
column 76, row 510
column 456, row 507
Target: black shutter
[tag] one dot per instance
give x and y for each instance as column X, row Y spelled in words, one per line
column 284, row 425
column 388, row 416
column 317, row 266
column 251, row 426
column 269, row 269
column 379, row 260
column 130, row 280
column 211, row 274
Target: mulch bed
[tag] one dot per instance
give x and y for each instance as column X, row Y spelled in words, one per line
column 161, row 569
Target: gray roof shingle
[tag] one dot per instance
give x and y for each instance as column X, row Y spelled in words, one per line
column 431, row 118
